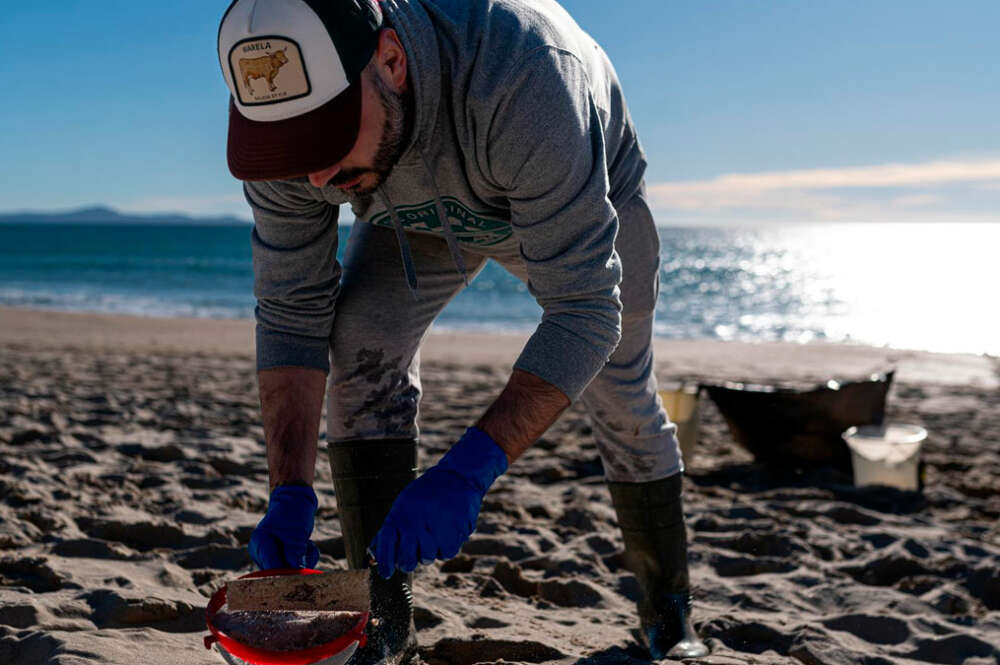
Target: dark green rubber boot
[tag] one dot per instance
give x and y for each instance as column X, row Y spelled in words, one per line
column 651, row 519
column 368, row 475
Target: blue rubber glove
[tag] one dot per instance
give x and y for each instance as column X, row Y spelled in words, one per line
column 436, row 513
column 281, row 539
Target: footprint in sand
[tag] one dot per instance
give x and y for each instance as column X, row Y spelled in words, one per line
column 92, row 548
column 886, row 570
column 214, row 556
column 752, row 636
column 459, row 564
column 20, row 614
column 33, row 573
column 504, row 547
column 571, row 593
column 147, row 535
column 871, row 628
column 424, row 619
column 154, row 453
column 953, row 650
column 486, row 623
column 742, row 566
column 468, row 652
column 112, row 609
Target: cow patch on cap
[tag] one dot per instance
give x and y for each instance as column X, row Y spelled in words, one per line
column 268, row 70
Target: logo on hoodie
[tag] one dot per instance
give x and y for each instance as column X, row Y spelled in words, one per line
column 472, row 228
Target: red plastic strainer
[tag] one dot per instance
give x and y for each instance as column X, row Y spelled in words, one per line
column 352, row 639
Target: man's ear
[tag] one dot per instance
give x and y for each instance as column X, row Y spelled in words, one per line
column 390, row 60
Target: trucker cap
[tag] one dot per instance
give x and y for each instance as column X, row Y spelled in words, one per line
column 293, row 68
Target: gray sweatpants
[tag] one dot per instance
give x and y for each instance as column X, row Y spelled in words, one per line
column 374, row 389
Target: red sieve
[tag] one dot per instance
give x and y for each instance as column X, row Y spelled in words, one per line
column 267, row 656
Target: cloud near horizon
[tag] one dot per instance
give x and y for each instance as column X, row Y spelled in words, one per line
column 946, row 190
column 233, row 204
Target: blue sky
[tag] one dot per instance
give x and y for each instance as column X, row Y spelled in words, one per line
column 753, row 110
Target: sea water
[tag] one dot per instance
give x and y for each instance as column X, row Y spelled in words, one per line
column 922, row 286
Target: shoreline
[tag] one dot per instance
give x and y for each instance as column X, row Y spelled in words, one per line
column 676, row 360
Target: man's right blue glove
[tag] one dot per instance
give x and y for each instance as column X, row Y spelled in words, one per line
column 435, row 514
column 281, row 539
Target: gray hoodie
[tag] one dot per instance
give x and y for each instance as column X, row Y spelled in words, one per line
column 522, row 136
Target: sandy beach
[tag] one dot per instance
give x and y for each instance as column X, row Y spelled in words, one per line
column 132, row 472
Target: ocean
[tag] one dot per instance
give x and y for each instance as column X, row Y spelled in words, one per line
column 914, row 286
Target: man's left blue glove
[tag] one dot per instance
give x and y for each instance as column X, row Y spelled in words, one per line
column 436, row 513
column 281, row 539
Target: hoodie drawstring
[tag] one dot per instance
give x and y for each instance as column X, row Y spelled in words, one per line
column 449, row 235
column 404, row 242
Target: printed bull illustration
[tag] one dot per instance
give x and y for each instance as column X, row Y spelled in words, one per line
column 265, row 67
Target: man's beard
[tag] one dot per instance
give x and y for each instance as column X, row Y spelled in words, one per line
column 395, row 137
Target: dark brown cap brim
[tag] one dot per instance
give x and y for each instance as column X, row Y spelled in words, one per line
column 283, row 149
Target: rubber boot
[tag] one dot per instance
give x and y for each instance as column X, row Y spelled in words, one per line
column 368, row 475
column 651, row 519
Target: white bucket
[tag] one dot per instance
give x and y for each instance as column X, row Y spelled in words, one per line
column 682, row 409
column 886, row 455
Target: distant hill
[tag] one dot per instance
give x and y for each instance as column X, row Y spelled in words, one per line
column 105, row 215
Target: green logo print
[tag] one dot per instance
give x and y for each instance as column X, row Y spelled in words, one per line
column 468, row 226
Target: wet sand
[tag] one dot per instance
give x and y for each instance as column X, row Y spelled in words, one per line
column 132, row 473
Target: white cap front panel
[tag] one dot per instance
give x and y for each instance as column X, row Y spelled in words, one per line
column 278, row 59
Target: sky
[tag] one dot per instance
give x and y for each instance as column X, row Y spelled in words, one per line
column 749, row 111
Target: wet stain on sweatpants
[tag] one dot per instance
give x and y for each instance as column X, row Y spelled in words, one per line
column 602, row 418
column 371, row 367
column 393, row 402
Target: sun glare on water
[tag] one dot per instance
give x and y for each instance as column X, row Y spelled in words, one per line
column 916, row 286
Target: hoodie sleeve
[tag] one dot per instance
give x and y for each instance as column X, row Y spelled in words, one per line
column 546, row 149
column 296, row 274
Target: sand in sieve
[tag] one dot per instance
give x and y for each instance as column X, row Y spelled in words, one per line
column 277, row 630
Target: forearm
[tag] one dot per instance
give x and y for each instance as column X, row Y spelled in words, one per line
column 526, row 408
column 291, row 402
